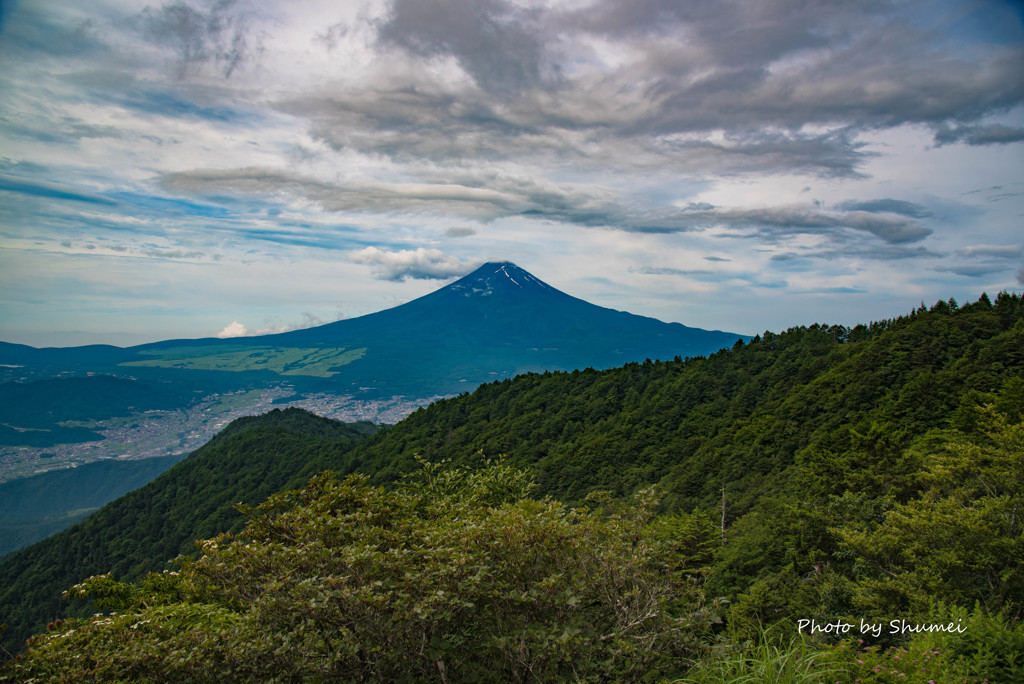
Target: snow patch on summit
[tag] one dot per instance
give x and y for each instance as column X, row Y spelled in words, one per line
column 510, row 276
column 486, row 280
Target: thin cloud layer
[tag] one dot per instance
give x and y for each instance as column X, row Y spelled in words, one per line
column 998, row 251
column 652, row 148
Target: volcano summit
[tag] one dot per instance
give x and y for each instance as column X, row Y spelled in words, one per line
column 494, row 323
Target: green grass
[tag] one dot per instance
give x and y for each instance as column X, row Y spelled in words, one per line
column 769, row 661
column 320, row 363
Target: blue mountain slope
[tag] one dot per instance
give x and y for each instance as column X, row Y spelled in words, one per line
column 496, row 322
column 500, row 319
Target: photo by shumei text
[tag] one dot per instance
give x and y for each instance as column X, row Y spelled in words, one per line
column 876, row 629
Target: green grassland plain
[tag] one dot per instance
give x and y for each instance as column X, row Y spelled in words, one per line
column 318, row 363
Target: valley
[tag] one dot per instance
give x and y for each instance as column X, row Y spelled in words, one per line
column 159, row 432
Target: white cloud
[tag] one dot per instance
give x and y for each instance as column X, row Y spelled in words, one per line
column 234, row 329
column 422, row 264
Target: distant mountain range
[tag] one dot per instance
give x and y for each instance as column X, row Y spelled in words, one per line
column 494, row 323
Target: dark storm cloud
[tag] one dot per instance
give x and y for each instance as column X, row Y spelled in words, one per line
column 408, row 122
column 421, row 123
column 891, row 89
column 492, row 41
column 995, row 134
column 734, row 31
column 791, row 63
column 736, row 66
column 218, row 36
column 701, row 87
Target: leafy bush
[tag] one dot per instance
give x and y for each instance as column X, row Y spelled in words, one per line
column 984, row 647
column 452, row 576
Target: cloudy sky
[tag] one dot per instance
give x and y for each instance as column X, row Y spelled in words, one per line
column 201, row 167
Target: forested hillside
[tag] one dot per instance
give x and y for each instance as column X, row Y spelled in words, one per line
column 248, row 461
column 870, row 473
column 29, row 511
column 828, row 448
column 743, row 418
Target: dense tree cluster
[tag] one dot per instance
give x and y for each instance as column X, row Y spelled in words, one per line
column 452, row 576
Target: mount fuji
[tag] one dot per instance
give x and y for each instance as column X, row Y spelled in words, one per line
column 494, row 323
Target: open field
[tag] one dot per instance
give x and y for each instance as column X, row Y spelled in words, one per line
column 318, row 363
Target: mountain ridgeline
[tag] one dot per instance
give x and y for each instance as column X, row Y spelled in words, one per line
column 494, row 323
column 742, row 417
column 797, row 471
column 502, row 318
column 33, row 508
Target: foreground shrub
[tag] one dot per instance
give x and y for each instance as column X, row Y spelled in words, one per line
column 455, row 575
column 990, row 648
